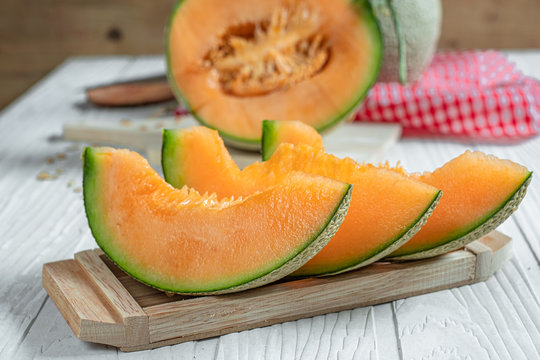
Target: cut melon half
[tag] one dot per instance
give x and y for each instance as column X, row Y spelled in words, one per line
column 180, row 241
column 386, row 209
column 235, row 63
column 480, row 192
column 292, row 132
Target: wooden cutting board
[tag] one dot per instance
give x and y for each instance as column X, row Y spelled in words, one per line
column 102, row 304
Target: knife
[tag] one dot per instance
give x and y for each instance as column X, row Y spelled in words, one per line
column 147, row 90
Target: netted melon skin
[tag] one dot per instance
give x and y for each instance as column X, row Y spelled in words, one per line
column 418, row 26
column 491, row 224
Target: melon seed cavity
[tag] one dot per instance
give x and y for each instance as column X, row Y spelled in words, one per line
column 253, row 59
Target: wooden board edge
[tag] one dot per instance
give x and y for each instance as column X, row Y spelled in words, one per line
column 59, row 298
column 116, row 296
column 308, row 297
column 492, row 251
column 207, row 335
column 88, row 318
column 501, row 246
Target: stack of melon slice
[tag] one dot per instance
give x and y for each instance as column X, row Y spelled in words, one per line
column 479, row 193
column 388, row 206
column 365, row 236
column 276, row 218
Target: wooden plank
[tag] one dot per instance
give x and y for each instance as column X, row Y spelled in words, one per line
column 489, row 24
column 115, row 294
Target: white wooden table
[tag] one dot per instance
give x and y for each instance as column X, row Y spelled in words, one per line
column 43, row 221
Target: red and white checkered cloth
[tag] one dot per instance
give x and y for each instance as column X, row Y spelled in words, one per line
column 461, row 94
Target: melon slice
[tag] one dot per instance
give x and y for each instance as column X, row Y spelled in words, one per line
column 386, row 209
column 235, row 63
column 180, row 241
column 276, row 132
column 292, row 132
column 480, row 193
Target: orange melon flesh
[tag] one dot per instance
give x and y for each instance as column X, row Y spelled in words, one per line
column 334, row 92
column 475, row 187
column 386, row 207
column 180, row 241
column 291, row 132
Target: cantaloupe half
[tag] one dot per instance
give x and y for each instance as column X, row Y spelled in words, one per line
column 180, row 241
column 235, row 63
column 479, row 193
column 386, row 209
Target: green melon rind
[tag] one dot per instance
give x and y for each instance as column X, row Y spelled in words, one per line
column 388, row 19
column 279, row 270
column 390, row 246
column 269, row 143
column 255, row 143
column 169, row 148
column 489, row 223
column 393, row 37
column 402, row 48
column 371, row 21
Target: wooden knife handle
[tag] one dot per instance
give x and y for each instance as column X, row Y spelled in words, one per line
column 131, row 93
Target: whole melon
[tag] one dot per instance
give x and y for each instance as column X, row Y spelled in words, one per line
column 410, row 30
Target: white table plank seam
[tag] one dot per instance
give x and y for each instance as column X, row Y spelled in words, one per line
column 395, row 306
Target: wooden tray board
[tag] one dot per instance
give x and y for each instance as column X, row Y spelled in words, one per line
column 102, row 304
column 361, row 141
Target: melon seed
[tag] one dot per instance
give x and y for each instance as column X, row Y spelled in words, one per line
column 43, row 176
